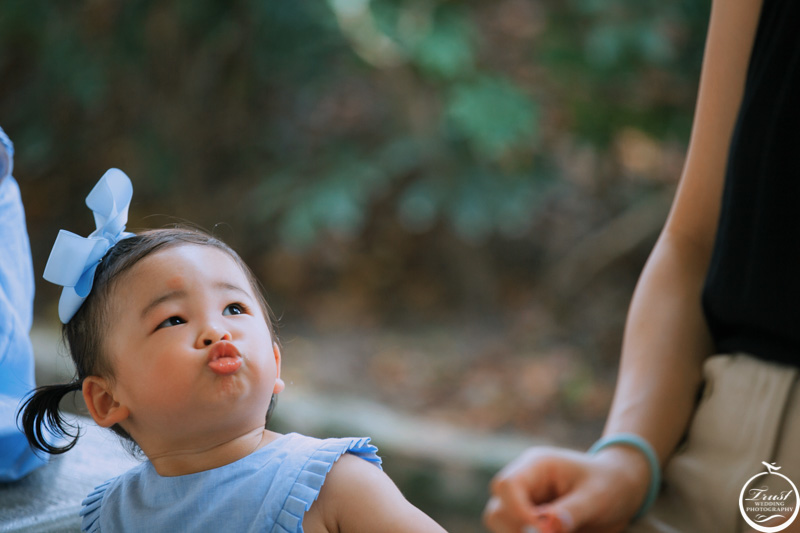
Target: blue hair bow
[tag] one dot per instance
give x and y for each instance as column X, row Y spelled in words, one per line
column 74, row 259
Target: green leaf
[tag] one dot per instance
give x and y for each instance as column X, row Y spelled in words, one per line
column 604, row 45
column 471, row 211
column 446, row 51
column 308, row 202
column 493, row 115
column 418, row 206
column 653, row 45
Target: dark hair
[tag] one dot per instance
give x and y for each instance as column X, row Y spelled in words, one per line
column 83, row 334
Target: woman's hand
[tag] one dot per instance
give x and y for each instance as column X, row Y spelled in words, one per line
column 577, row 492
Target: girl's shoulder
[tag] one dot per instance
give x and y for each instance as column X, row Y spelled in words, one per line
column 318, row 457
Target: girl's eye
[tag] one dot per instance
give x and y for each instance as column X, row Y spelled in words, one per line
column 234, row 309
column 171, row 321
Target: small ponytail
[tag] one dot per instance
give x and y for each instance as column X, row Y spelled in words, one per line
column 40, row 411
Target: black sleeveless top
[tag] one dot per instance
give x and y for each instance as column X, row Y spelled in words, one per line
column 751, row 297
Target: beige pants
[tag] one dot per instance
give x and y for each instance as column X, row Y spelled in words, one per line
column 749, row 413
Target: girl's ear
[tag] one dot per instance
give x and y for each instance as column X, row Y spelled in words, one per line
column 99, row 398
column 279, row 384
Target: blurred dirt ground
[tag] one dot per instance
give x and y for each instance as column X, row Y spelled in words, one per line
column 466, row 376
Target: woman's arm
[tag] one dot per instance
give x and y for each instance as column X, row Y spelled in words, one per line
column 666, row 338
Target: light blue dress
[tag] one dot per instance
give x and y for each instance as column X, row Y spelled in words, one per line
column 16, row 317
column 270, row 490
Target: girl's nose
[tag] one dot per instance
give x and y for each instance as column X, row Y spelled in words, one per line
column 212, row 334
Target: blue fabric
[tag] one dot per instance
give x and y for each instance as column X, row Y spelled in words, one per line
column 270, row 490
column 16, row 316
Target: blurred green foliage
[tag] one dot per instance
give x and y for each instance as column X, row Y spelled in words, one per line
column 370, row 157
column 307, row 120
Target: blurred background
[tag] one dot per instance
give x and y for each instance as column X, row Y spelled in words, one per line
column 448, row 201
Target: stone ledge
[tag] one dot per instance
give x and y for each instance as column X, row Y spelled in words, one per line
column 304, row 411
column 49, row 499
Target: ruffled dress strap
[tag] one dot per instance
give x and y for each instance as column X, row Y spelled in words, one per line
column 90, row 510
column 309, row 482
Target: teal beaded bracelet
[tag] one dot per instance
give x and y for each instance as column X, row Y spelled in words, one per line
column 635, row 441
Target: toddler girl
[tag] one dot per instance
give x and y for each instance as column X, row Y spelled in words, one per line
column 175, row 351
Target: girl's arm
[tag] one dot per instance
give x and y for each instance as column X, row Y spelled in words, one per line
column 666, row 338
column 357, row 497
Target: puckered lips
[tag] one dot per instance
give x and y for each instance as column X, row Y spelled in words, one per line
column 224, row 358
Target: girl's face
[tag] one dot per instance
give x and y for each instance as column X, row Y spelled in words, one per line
column 191, row 351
